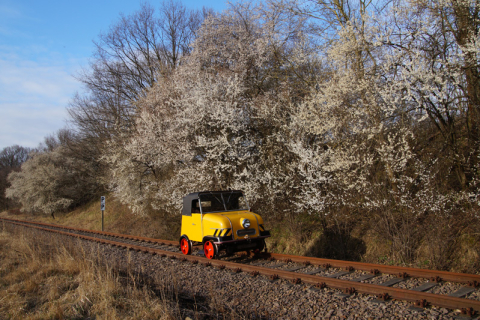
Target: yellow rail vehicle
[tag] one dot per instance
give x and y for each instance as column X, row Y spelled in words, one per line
column 220, row 221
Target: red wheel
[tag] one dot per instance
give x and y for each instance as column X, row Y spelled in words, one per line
column 210, row 250
column 185, row 246
column 262, row 245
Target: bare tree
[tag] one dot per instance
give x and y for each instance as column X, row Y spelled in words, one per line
column 138, row 51
column 178, row 27
column 13, row 156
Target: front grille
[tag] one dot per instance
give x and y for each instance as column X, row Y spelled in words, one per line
column 244, row 232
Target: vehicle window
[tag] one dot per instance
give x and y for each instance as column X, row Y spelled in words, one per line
column 195, row 206
column 235, row 201
column 212, row 203
column 227, row 201
column 206, row 205
column 242, row 203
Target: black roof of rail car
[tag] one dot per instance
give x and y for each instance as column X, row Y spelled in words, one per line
column 187, row 200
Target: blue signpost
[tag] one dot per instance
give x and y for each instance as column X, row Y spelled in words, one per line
column 102, row 207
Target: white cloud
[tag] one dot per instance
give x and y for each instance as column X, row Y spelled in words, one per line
column 11, row 14
column 9, row 11
column 33, row 98
column 26, row 126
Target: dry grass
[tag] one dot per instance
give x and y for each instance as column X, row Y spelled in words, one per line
column 117, row 218
column 447, row 245
column 41, row 277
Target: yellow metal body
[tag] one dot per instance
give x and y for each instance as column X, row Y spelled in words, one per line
column 220, row 224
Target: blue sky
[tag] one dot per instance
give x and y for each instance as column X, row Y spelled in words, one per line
column 42, row 45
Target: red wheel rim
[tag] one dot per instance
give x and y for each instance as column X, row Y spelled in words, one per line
column 209, row 249
column 184, row 246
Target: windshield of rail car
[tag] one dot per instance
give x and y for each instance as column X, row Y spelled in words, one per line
column 223, row 201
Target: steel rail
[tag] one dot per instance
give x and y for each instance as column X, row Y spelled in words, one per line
column 394, row 293
column 111, row 234
column 351, row 265
column 405, row 271
column 411, row 272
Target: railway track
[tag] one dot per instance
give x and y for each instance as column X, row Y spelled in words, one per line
column 420, row 286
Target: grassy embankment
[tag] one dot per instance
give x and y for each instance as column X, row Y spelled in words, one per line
column 440, row 244
column 291, row 237
column 46, row 277
column 117, row 218
column 42, row 277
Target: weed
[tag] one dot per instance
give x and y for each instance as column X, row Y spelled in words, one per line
column 52, row 281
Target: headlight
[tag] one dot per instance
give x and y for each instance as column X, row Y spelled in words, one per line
column 246, row 223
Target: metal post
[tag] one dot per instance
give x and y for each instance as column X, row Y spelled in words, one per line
column 102, row 207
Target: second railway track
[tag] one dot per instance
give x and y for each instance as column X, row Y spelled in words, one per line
column 385, row 282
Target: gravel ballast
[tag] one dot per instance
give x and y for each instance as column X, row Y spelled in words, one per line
column 260, row 298
column 210, row 293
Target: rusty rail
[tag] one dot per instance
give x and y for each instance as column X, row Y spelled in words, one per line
column 424, row 298
column 410, row 272
column 105, row 233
